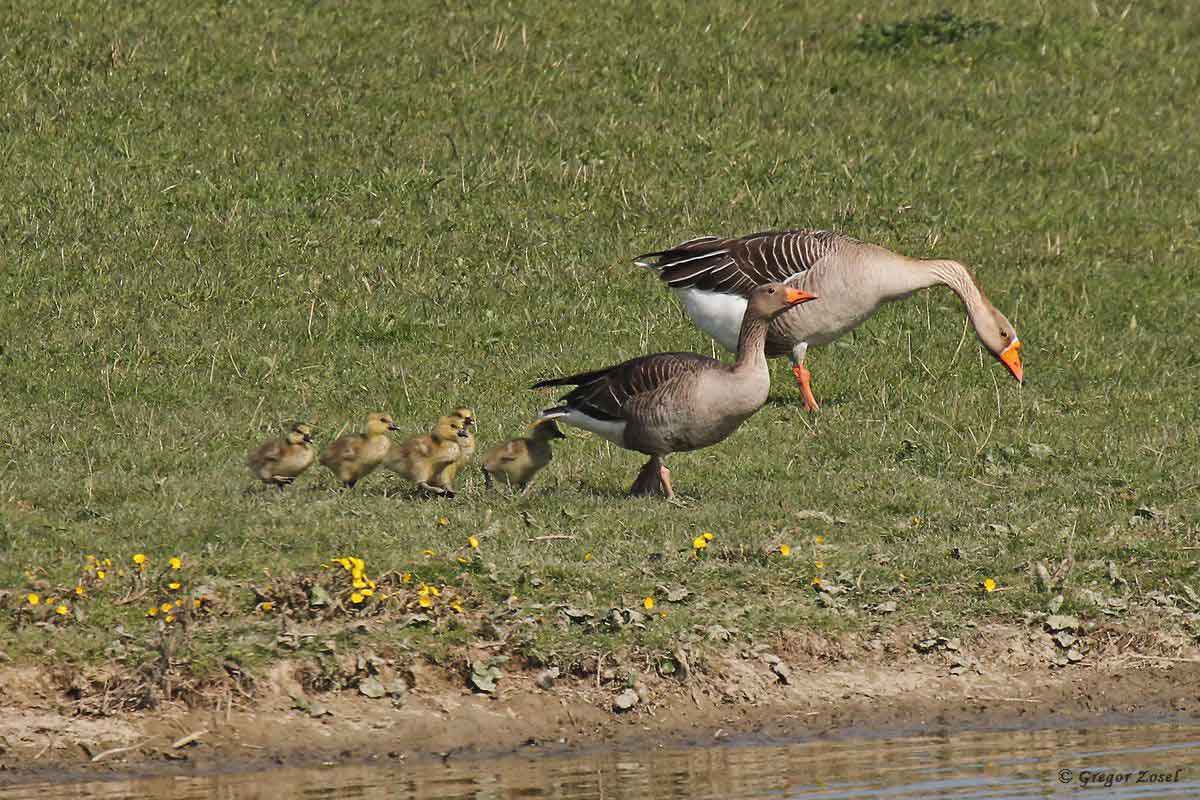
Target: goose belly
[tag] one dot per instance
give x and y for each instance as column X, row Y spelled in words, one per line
column 719, row 315
column 612, row 430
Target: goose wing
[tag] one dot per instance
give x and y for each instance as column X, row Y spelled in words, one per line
column 606, row 394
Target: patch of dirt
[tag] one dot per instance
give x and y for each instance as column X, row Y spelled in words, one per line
column 795, row 687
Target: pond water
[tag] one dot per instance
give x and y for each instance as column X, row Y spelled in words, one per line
column 1102, row 761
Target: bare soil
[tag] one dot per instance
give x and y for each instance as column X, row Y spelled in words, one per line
column 799, row 687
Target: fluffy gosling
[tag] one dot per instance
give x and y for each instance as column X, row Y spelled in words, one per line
column 518, row 460
column 424, row 459
column 277, row 462
column 355, row 455
column 466, row 448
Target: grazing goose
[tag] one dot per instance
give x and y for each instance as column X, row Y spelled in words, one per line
column 278, row 461
column 714, row 276
column 518, row 460
column 355, row 455
column 670, row 402
column 425, row 459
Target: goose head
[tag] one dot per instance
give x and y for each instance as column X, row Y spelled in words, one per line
column 380, row 423
column 1000, row 338
column 772, row 299
column 546, row 429
column 449, row 429
column 465, row 414
column 300, row 434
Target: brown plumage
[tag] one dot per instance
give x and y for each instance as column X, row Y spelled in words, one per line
column 713, row 277
column 355, row 455
column 277, row 462
column 424, row 459
column 516, row 461
column 670, row 402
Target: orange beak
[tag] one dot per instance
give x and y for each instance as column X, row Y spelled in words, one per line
column 795, row 297
column 1012, row 359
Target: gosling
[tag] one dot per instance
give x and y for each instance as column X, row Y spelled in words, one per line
column 518, row 460
column 277, row 462
column 354, row 456
column 424, row 459
column 466, row 448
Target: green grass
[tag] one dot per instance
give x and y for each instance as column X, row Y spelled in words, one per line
column 220, row 216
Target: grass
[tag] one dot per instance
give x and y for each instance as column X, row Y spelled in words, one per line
column 223, row 216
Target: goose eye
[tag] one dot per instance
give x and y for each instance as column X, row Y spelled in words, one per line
column 771, row 290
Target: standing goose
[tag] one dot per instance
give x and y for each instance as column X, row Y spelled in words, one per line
column 713, row 278
column 671, row 402
column 355, row 455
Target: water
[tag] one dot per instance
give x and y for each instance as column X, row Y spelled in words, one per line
column 1012, row 764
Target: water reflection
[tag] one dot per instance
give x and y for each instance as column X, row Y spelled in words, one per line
column 965, row 765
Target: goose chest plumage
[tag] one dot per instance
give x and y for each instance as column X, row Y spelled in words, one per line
column 713, row 278
column 672, row 402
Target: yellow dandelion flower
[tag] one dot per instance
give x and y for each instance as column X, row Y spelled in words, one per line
column 436, row 592
column 462, row 560
column 457, row 606
column 708, row 537
column 989, row 585
column 33, row 599
column 587, row 556
column 662, row 614
column 61, row 610
column 176, row 562
column 169, row 618
column 356, row 598
column 425, row 601
column 90, row 559
column 443, row 521
column 359, row 583
column 819, row 564
column 139, row 559
column 101, row 574
column 79, row 590
column 266, row 605
column 370, row 583
column 166, row 607
column 699, row 543
column 108, row 562
column 816, row 581
column 648, row 604
column 406, row 577
column 423, row 591
column 471, row 540
column 175, row 585
column 153, row 611
column 196, row 602
column 345, row 562
column 428, row 553
column 785, row 550
column 367, row 592
column 818, row 540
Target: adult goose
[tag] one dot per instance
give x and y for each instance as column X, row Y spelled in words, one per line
column 713, row 277
column 671, row 402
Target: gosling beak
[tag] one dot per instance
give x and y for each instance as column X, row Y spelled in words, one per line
column 795, row 297
column 393, row 426
column 462, row 432
column 307, row 439
column 1012, row 359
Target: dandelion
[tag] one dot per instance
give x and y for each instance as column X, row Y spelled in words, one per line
column 33, row 599
column 357, row 598
column 174, row 585
column 79, row 590
column 818, row 540
column 587, row 556
column 708, row 537
column 266, row 605
column 443, row 521
column 785, row 550
column 424, row 601
column 406, row 577
column 367, row 592
column 359, row 583
column 345, row 562
column 152, row 612
column 457, row 606
column 428, row 553
column 819, row 564
column 61, row 610
column 989, row 585
column 462, row 560
column 140, row 560
column 196, row 602
column 176, row 562
column 101, row 574
column 166, row 607
column 108, row 562
column 816, row 581
column 648, row 604
column 169, row 618
column 471, row 540
column 699, row 543
column 662, row 614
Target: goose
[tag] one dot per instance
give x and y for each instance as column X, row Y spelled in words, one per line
column 355, row 455
column 424, row 459
column 672, row 402
column 518, row 460
column 466, row 447
column 713, row 278
column 277, row 462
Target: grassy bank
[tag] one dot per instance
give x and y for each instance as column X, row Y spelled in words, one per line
column 220, row 218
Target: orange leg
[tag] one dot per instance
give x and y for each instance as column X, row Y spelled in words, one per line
column 804, row 381
column 653, row 479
